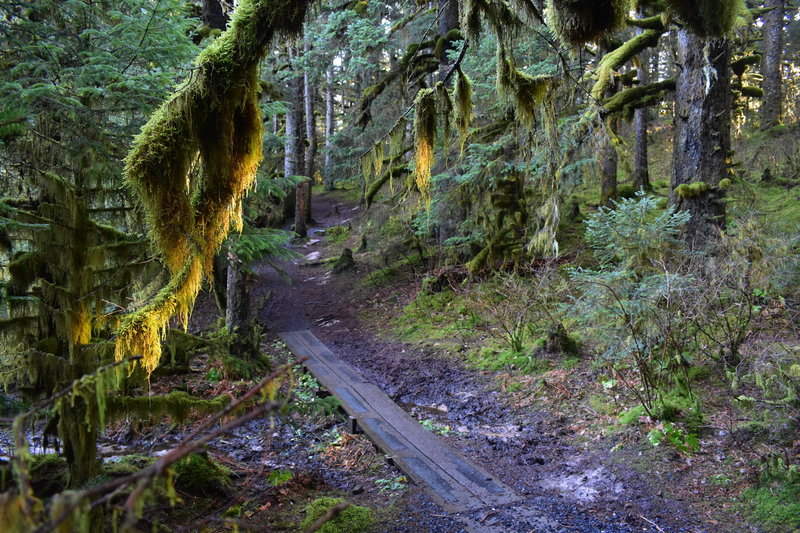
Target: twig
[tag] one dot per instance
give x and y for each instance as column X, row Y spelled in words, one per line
column 651, row 523
column 330, row 514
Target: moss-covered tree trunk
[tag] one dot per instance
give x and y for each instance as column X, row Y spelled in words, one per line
column 80, row 443
column 702, row 133
column 771, row 108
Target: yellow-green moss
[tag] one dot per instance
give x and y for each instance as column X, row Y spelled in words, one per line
column 691, row 190
column 581, row 21
column 197, row 474
column 353, row 519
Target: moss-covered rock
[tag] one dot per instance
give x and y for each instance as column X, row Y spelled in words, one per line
column 353, row 519
column 197, row 474
column 49, row 475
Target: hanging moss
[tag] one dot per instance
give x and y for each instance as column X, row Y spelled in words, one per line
column 581, row 21
column 214, row 121
column 424, row 138
column 462, row 97
column 708, row 18
column 526, row 93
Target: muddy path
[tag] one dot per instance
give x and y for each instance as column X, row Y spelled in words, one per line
column 568, row 487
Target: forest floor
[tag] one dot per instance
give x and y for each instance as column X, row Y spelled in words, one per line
column 549, row 448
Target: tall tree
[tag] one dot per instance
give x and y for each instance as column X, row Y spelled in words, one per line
column 309, row 100
column 771, row 104
column 330, row 126
column 294, row 154
column 702, row 132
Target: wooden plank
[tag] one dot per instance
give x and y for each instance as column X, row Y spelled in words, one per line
column 452, row 479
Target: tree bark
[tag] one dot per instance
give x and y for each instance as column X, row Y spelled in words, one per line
column 293, row 163
column 311, row 136
column 702, row 133
column 771, row 108
column 237, row 308
column 608, row 162
column 329, row 129
column 213, row 15
column 641, row 123
column 448, row 20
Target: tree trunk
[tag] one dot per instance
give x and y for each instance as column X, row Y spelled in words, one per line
column 329, row 129
column 311, row 136
column 771, row 108
column 608, row 162
column 641, row 123
column 702, row 134
column 237, row 308
column 220, row 279
column 79, row 439
column 213, row 15
column 448, row 20
column 293, row 154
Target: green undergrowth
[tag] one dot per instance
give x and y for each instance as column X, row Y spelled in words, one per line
column 436, row 316
column 775, row 505
column 392, row 271
column 352, row 519
column 496, row 357
column 336, row 234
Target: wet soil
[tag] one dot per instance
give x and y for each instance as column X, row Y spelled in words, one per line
column 568, row 486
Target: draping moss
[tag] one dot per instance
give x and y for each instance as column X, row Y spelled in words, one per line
column 462, row 106
column 211, row 125
column 581, row 21
column 424, row 138
column 708, row 18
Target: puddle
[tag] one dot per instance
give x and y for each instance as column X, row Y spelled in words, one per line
column 585, row 486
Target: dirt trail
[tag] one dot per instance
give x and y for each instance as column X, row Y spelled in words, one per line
column 567, row 488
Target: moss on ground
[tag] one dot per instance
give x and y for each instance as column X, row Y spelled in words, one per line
column 353, row 519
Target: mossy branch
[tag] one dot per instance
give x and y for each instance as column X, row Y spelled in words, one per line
column 636, row 97
column 618, row 57
column 213, row 123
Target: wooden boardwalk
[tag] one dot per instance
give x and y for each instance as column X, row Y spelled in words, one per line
column 454, row 481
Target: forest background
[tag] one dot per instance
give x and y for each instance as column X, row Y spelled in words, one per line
column 630, row 170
